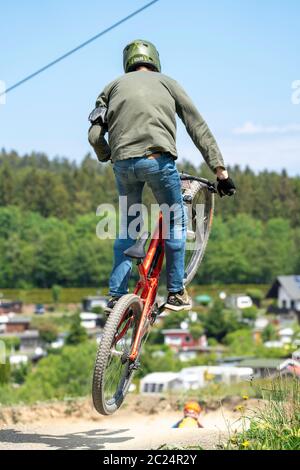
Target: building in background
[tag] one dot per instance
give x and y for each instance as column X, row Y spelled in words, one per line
column 262, row 367
column 91, row 302
column 286, row 291
column 238, row 301
column 194, row 378
column 17, row 324
column 201, row 376
column 181, row 339
column 10, row 306
column 161, row 382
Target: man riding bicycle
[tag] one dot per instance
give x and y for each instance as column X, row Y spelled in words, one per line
column 139, row 111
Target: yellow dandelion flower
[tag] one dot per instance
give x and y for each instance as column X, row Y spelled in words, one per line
column 245, row 397
column 246, row 444
column 239, row 408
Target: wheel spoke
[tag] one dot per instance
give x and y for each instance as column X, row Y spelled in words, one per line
column 117, row 369
column 198, row 231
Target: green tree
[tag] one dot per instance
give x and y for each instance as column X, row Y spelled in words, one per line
column 240, row 343
column 158, row 358
column 196, row 330
column 19, row 374
column 174, row 320
column 5, row 373
column 77, row 333
column 7, row 186
column 256, row 295
column 269, row 333
column 250, row 313
column 67, row 374
column 56, row 293
column 219, row 322
column 48, row 332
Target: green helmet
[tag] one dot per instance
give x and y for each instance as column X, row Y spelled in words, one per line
column 140, row 52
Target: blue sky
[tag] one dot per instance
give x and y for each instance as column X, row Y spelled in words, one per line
column 236, row 59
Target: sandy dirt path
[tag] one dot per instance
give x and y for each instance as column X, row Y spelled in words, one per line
column 124, row 430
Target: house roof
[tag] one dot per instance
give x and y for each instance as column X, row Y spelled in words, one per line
column 220, row 369
column 30, row 334
column 261, row 363
column 175, row 332
column 7, row 302
column 160, row 377
column 96, row 297
column 291, row 285
column 19, row 320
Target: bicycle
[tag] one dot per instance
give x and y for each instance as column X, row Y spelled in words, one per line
column 129, row 323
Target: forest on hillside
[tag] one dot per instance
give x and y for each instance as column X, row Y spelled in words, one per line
column 48, row 221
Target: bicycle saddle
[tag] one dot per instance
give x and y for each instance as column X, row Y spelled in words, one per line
column 137, row 251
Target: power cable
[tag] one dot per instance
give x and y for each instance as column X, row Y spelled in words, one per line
column 67, row 54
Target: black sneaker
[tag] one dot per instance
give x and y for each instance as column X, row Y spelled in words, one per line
column 179, row 301
column 111, row 304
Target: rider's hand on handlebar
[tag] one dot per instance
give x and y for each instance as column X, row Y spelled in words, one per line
column 226, row 187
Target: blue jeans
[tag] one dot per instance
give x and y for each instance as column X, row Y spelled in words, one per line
column 162, row 177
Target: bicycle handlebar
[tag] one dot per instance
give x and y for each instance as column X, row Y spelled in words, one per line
column 211, row 186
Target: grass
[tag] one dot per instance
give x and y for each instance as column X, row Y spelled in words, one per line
column 276, row 424
column 215, row 395
column 75, row 295
column 44, row 296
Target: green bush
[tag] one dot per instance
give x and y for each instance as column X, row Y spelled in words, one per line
column 98, row 310
column 250, row 313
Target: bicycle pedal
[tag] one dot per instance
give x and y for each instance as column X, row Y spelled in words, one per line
column 162, row 308
column 135, row 365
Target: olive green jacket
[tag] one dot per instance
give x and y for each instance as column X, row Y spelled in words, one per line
column 141, row 117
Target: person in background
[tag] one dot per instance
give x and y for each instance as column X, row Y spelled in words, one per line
column 191, row 411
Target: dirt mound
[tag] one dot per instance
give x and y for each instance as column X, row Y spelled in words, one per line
column 83, row 408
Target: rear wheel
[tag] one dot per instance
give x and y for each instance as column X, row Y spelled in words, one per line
column 200, row 210
column 113, row 370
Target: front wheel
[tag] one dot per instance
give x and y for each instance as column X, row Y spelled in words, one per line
column 113, row 371
column 200, row 210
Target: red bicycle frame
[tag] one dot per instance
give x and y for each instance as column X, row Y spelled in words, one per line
column 146, row 287
column 149, row 271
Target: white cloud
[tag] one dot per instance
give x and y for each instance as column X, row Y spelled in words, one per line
column 249, row 128
column 273, row 153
